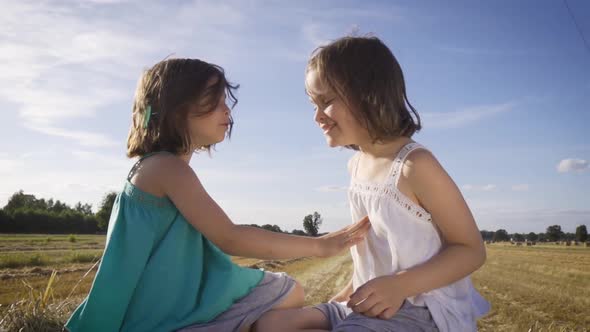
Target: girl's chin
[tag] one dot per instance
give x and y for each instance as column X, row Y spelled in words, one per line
column 332, row 143
column 220, row 139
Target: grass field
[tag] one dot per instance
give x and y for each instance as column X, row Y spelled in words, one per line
column 538, row 288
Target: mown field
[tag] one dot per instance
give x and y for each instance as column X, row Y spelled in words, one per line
column 538, row 288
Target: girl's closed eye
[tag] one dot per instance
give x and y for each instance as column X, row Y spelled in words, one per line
column 322, row 104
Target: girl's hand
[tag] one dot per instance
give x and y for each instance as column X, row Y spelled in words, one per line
column 334, row 243
column 340, row 297
column 380, row 297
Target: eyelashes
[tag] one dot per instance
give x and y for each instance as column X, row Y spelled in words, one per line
column 322, row 105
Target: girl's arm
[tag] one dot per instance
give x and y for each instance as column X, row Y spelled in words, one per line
column 181, row 185
column 463, row 250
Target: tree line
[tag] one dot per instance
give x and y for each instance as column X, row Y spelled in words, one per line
column 25, row 213
column 553, row 233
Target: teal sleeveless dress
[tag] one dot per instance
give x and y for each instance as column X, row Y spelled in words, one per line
column 158, row 273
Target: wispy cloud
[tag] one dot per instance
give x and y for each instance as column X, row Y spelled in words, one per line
column 51, row 66
column 67, row 62
column 573, row 165
column 84, row 138
column 464, row 116
column 487, row 187
column 322, row 25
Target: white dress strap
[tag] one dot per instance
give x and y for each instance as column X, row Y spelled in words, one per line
column 398, row 162
column 354, row 164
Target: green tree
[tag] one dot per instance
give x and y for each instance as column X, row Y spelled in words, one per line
column 59, row 207
column 104, row 211
column 26, row 214
column 298, row 232
column 311, row 223
column 532, row 237
column 500, row 236
column 542, row 237
column 6, row 224
column 487, row 235
column 554, row 233
column 85, row 209
column 20, row 200
column 518, row 237
column 272, row 228
column 581, row 233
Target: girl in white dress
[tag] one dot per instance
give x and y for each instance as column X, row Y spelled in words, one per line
column 411, row 273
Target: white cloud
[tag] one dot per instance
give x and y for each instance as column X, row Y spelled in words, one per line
column 573, row 165
column 322, row 25
column 464, row 116
column 67, row 61
column 51, row 66
column 84, row 138
column 314, row 33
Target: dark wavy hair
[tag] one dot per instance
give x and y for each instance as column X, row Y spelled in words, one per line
column 169, row 88
column 365, row 74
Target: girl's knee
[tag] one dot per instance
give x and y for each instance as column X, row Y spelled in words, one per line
column 294, row 299
column 291, row 320
column 298, row 295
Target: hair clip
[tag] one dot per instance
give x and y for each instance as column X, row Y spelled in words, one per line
column 147, row 115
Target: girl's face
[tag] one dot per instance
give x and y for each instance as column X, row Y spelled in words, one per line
column 211, row 128
column 337, row 122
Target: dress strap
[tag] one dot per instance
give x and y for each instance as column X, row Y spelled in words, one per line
column 398, row 162
column 138, row 162
column 355, row 165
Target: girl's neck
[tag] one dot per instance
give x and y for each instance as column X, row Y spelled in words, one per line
column 384, row 149
column 186, row 157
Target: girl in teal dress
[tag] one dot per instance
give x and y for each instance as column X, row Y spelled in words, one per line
column 165, row 265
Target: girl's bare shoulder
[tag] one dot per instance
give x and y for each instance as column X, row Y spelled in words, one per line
column 155, row 171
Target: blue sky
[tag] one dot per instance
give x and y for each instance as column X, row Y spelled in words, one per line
column 502, row 88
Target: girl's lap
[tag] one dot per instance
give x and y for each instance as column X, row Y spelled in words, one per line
column 295, row 318
column 275, row 291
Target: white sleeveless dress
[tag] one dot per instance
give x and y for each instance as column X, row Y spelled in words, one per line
column 402, row 235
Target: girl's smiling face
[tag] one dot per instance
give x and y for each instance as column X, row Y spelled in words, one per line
column 332, row 115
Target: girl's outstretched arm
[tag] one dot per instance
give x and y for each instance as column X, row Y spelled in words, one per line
column 180, row 183
column 462, row 253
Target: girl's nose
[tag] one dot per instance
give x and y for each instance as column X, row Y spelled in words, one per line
column 319, row 116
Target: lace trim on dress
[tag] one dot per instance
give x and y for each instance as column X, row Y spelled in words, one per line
column 388, row 190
